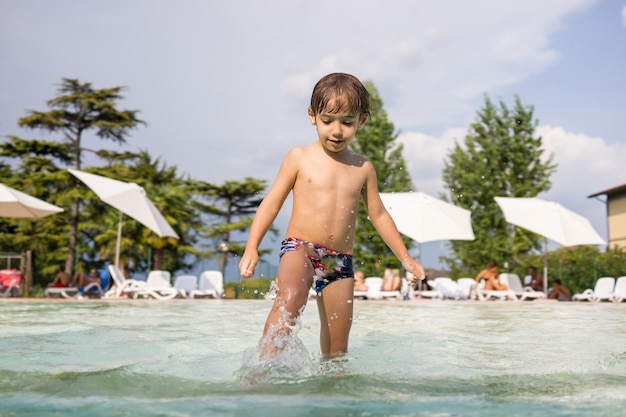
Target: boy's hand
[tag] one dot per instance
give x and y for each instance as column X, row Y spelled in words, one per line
column 248, row 264
column 416, row 269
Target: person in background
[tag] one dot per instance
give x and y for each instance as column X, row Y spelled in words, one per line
column 81, row 280
column 536, row 279
column 62, row 278
column 391, row 280
column 559, row 291
column 491, row 278
column 359, row 281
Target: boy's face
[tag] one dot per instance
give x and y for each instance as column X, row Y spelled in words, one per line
column 336, row 130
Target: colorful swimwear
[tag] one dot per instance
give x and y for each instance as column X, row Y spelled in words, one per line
column 323, row 263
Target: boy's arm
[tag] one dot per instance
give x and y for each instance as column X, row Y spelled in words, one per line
column 268, row 210
column 386, row 227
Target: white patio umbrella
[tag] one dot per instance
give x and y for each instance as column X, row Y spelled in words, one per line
column 14, row 203
column 128, row 198
column 550, row 220
column 425, row 219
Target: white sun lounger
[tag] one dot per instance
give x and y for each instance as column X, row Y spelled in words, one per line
column 434, row 294
column 210, row 284
column 91, row 289
column 185, row 284
column 465, row 285
column 448, row 288
column 619, row 292
column 515, row 284
column 134, row 288
column 484, row 295
column 603, row 290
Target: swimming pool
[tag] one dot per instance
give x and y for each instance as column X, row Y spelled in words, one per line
column 407, row 358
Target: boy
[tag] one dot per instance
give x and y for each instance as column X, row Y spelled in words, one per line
column 327, row 180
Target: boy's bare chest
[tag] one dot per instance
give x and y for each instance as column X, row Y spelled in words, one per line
column 331, row 176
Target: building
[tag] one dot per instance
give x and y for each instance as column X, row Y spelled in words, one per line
column 615, row 214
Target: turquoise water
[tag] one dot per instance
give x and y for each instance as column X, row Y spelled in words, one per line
column 407, row 358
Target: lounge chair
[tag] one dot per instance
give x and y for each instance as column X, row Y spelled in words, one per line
column 210, row 284
column 375, row 285
column 374, row 291
column 619, row 292
column 185, row 284
column 93, row 289
column 434, row 293
column 134, row 288
column 158, row 278
column 464, row 286
column 360, row 294
column 485, row 295
column 603, row 290
column 447, row 287
column 515, row 285
column 10, row 281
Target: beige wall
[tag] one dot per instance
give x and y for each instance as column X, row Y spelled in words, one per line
column 617, row 220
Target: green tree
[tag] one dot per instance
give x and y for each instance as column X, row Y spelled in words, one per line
column 501, row 156
column 377, row 141
column 170, row 193
column 230, row 208
column 34, row 169
column 79, row 109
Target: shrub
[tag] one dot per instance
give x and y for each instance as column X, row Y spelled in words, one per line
column 247, row 289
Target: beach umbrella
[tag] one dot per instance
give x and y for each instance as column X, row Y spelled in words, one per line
column 14, row 203
column 130, row 199
column 425, row 219
column 550, row 220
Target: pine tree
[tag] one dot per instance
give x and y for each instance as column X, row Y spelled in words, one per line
column 230, row 208
column 78, row 109
column 377, row 141
column 500, row 157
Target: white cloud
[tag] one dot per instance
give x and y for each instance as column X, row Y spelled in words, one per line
column 425, row 155
column 624, row 16
column 585, row 164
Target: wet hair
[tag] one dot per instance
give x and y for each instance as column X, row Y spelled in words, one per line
column 339, row 92
column 491, row 264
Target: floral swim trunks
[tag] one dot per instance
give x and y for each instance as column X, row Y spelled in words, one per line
column 329, row 265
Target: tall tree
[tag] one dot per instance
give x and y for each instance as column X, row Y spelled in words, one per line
column 34, row 169
column 79, row 109
column 230, row 207
column 377, row 141
column 501, row 156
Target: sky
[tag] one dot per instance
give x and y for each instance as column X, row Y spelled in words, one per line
column 224, row 86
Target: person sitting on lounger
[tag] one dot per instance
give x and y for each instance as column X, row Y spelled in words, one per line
column 391, row 280
column 81, row 280
column 536, row 279
column 490, row 275
column 559, row 291
column 359, row 281
column 62, row 279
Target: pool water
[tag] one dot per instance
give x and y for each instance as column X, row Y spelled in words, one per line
column 407, row 358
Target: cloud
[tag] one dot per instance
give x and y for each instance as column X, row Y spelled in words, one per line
column 624, row 16
column 586, row 164
column 425, row 155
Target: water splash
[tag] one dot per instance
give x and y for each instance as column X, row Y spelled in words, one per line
column 279, row 357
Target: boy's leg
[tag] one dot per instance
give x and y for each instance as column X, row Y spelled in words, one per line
column 295, row 277
column 335, row 306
